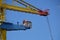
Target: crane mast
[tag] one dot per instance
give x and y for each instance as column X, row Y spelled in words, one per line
column 3, row 7
column 2, row 17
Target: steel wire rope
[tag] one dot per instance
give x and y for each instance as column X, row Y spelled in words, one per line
column 30, row 5
column 26, row 4
column 49, row 28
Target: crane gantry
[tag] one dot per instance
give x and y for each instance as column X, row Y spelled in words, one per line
column 6, row 26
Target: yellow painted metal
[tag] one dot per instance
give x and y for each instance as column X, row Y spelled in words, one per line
column 2, row 18
column 21, row 9
column 3, row 34
column 2, row 15
column 0, row 2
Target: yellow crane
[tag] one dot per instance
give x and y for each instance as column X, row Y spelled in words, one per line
column 29, row 9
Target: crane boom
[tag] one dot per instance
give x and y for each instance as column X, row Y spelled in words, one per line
column 21, row 9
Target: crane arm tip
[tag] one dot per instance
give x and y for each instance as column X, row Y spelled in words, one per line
column 43, row 13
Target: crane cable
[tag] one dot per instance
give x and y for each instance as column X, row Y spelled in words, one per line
column 21, row 2
column 27, row 4
column 49, row 28
column 30, row 5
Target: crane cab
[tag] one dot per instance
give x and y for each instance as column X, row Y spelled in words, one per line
column 27, row 24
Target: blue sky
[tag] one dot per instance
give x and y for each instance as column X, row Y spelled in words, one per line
column 40, row 30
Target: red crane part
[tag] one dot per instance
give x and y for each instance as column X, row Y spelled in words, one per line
column 43, row 13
